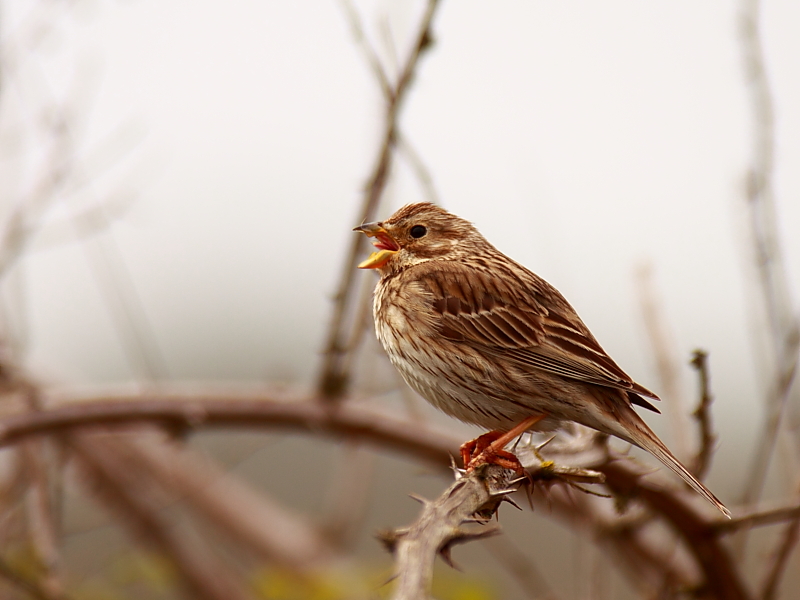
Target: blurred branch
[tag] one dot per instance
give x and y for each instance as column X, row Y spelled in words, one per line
column 702, row 461
column 29, row 586
column 195, row 411
column 117, row 483
column 351, row 482
column 722, row 577
column 333, row 378
column 251, row 518
column 360, row 38
column 777, row 566
column 759, row 518
column 520, row 566
column 137, row 336
column 667, row 364
column 782, row 325
column 419, row 167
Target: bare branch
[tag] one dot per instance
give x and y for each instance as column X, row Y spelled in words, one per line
column 779, row 562
column 360, row 38
column 702, row 461
column 333, row 379
column 722, row 577
column 240, row 513
column 186, row 412
column 759, row 518
column 782, row 324
column 521, row 567
column 30, row 586
column 667, row 363
column 113, row 479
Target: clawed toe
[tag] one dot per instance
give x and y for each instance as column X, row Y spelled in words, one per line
column 488, row 448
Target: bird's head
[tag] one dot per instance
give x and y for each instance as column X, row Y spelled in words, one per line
column 417, row 233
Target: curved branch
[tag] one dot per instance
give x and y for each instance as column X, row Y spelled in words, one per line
column 376, row 428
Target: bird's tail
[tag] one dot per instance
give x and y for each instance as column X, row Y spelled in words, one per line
column 639, row 434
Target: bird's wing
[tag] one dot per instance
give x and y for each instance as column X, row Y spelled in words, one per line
column 520, row 316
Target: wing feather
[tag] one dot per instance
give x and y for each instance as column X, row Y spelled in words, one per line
column 524, row 319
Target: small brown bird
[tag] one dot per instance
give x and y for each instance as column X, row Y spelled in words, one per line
column 489, row 342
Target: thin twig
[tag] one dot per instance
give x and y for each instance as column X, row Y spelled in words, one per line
column 419, row 167
column 758, row 518
column 667, row 363
column 360, row 38
column 333, row 378
column 702, row 461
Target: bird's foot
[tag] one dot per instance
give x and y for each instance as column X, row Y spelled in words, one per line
column 488, row 448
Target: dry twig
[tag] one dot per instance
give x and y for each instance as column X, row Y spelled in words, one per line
column 334, row 375
column 782, row 324
column 702, row 413
column 667, row 364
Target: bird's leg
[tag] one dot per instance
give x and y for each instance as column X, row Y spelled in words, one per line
column 488, row 448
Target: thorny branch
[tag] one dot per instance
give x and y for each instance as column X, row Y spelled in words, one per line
column 333, row 379
column 441, row 525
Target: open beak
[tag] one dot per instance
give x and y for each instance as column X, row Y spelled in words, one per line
column 385, row 244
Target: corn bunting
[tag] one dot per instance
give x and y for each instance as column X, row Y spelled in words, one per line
column 489, row 342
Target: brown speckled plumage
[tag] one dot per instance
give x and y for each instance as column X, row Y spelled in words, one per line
column 489, row 342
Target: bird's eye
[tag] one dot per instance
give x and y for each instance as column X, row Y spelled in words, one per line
column 417, row 231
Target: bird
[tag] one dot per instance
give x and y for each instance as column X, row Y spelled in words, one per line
column 487, row 341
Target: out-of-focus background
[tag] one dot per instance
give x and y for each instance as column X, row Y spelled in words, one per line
column 188, row 174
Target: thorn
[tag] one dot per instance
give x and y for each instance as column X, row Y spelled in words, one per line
column 390, row 537
column 503, row 492
column 448, row 559
column 529, row 494
column 511, row 502
column 545, row 443
column 420, row 499
column 390, row 580
column 457, row 471
column 518, row 480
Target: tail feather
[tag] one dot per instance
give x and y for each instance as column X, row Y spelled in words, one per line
column 641, row 435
